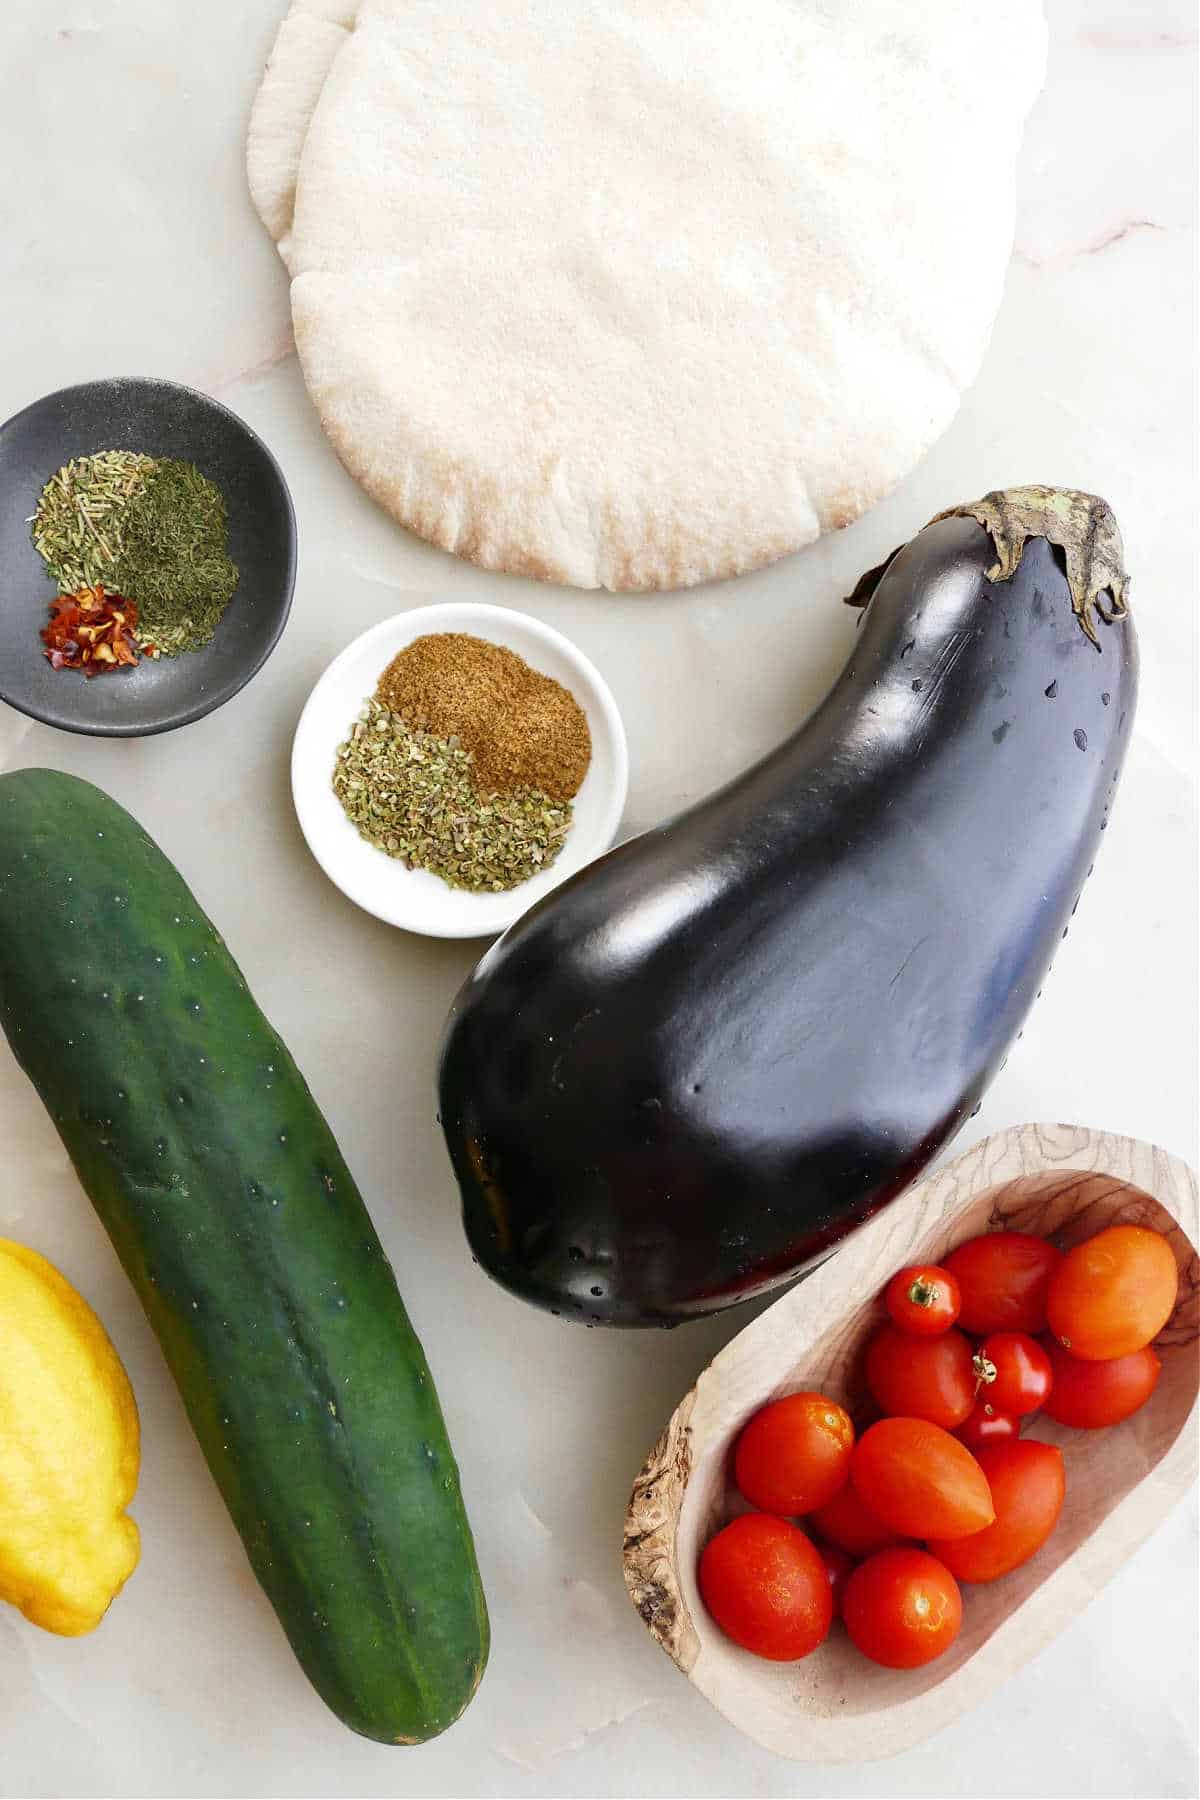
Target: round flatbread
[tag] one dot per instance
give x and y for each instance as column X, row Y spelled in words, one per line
column 640, row 293
column 305, row 45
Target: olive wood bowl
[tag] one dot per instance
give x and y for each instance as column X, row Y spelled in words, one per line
column 1060, row 1181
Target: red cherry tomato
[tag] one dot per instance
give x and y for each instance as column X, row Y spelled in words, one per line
column 765, row 1585
column 1113, row 1294
column 1089, row 1395
column 1003, row 1277
column 902, row 1608
column 1017, row 1376
column 848, row 1522
column 837, row 1566
column 922, row 1378
column 794, row 1454
column 1028, row 1483
column 984, row 1425
column 923, row 1299
column 920, row 1480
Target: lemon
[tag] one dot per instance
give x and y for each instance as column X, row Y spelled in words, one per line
column 68, row 1451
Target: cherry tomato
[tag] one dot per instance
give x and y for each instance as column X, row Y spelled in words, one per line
column 1113, row 1294
column 923, row 1299
column 920, row 1480
column 837, row 1566
column 922, row 1378
column 1003, row 1277
column 984, row 1425
column 848, row 1522
column 794, row 1454
column 1017, row 1375
column 1092, row 1394
column 1028, row 1483
column 765, row 1585
column 902, row 1608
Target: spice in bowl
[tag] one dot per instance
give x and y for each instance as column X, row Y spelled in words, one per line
column 153, row 530
column 93, row 630
column 77, row 525
column 465, row 762
column 522, row 728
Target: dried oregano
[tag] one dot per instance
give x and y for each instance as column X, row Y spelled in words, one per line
column 411, row 795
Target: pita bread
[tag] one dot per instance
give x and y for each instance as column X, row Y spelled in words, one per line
column 307, row 42
column 649, row 292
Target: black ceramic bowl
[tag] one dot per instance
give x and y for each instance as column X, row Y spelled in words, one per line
column 163, row 420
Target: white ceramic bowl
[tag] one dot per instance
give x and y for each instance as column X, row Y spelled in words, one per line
column 413, row 898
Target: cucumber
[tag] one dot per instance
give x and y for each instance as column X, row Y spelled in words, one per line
column 240, row 1226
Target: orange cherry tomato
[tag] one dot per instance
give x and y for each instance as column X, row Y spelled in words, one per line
column 984, row 1425
column 848, row 1522
column 837, row 1567
column 920, row 1480
column 1017, row 1373
column 765, row 1585
column 1089, row 1395
column 922, row 1378
column 1028, row 1483
column 923, row 1299
column 1113, row 1294
column 902, row 1608
column 1003, row 1277
column 794, row 1454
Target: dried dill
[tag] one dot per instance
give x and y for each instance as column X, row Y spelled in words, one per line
column 411, row 794
column 174, row 559
column 78, row 524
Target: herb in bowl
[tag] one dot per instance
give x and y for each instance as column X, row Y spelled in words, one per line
column 412, row 795
column 152, row 529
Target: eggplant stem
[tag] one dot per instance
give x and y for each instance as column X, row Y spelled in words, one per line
column 1082, row 525
column 864, row 587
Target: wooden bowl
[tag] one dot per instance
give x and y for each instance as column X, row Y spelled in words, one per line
column 1060, row 1181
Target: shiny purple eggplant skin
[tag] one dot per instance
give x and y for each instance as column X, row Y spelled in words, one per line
column 708, row 1056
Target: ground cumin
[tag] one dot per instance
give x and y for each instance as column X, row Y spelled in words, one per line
column 522, row 729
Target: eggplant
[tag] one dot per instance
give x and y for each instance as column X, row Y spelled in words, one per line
column 690, row 1070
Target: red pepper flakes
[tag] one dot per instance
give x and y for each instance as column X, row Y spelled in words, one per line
column 93, row 631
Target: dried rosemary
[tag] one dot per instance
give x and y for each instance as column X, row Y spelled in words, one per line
column 78, row 523
column 411, row 795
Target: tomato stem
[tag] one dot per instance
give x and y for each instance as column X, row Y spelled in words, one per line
column 985, row 1370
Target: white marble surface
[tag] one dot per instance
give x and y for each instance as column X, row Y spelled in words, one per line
column 128, row 245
